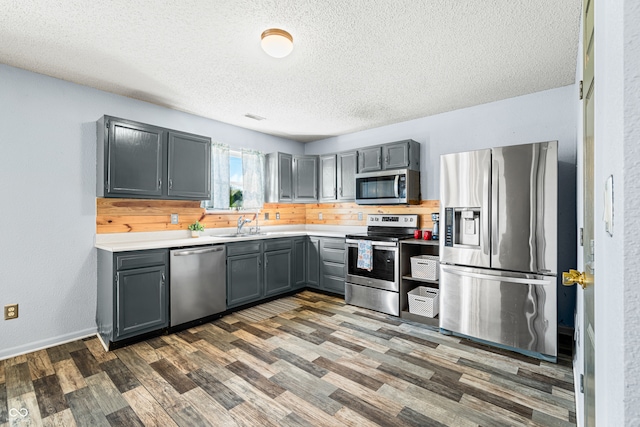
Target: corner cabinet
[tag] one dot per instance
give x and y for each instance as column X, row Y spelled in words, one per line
column 338, row 177
column 132, row 294
column 408, row 249
column 137, row 160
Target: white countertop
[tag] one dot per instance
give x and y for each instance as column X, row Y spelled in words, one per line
column 120, row 242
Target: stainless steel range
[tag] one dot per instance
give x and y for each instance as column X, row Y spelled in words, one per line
column 376, row 284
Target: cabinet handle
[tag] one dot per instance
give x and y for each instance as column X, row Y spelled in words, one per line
column 170, row 184
column 340, row 191
column 159, row 184
column 379, row 159
column 162, row 277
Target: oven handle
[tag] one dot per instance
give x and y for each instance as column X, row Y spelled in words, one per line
column 387, row 245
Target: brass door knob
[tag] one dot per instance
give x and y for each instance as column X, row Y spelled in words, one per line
column 573, row 277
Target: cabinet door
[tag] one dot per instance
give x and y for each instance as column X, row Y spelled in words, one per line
column 298, row 261
column 141, row 299
column 244, row 279
column 277, row 272
column 328, row 188
column 305, row 179
column 285, row 177
column 313, row 262
column 347, row 176
column 396, row 156
column 135, row 159
column 370, row 159
column 189, row 166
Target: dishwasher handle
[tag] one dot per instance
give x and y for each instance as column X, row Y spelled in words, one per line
column 198, row 251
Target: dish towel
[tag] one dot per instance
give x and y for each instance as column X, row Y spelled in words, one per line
column 365, row 260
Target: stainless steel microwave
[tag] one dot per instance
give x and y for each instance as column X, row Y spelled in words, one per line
column 389, row 187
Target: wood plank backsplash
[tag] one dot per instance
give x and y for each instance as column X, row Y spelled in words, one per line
column 135, row 215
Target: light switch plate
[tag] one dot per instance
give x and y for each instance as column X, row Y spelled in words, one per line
column 277, row 215
column 359, row 216
column 174, row 218
column 320, row 215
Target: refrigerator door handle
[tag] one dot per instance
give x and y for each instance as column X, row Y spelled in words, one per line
column 519, row 280
column 495, row 206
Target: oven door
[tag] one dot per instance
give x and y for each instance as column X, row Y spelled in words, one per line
column 385, row 272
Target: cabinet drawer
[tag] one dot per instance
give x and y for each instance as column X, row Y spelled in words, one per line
column 243, row 248
column 333, row 284
column 333, row 255
column 138, row 259
column 333, row 269
column 277, row 244
column 333, row 243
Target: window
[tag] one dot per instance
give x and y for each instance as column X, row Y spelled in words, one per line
column 237, row 179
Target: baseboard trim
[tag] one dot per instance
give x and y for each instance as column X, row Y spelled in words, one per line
column 47, row 343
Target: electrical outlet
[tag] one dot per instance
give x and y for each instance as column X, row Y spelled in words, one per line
column 174, row 218
column 277, row 215
column 359, row 216
column 266, row 216
column 320, row 215
column 10, row 311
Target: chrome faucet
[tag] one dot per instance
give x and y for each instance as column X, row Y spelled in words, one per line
column 257, row 227
column 241, row 222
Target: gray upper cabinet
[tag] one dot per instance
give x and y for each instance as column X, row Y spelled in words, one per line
column 133, row 156
column 142, row 161
column 346, row 176
column 279, row 178
column 189, row 160
column 370, row 159
column 305, row 179
column 395, row 155
column 328, row 178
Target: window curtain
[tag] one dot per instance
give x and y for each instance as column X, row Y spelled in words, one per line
column 219, row 177
column 252, row 179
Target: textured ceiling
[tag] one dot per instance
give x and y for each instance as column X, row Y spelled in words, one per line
column 356, row 64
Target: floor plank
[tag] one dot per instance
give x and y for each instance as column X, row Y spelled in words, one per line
column 306, row 360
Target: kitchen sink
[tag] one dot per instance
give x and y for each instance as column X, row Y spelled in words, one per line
column 241, row 235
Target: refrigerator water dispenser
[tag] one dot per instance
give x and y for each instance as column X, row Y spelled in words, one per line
column 462, row 227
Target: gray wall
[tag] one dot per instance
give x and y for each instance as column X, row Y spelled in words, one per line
column 47, row 191
column 542, row 116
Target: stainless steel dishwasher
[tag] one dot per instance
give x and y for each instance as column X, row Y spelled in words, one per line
column 198, row 285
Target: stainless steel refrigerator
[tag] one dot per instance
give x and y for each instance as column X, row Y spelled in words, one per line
column 498, row 246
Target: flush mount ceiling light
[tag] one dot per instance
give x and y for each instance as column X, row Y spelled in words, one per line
column 276, row 42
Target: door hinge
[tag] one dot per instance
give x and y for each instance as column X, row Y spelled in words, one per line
column 581, row 236
column 106, row 125
column 581, row 89
column 581, row 383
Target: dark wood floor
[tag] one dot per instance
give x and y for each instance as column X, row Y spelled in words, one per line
column 320, row 364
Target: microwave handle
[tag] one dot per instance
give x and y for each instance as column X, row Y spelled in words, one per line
column 396, row 186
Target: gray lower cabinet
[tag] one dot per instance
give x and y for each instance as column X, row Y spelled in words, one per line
column 132, row 293
column 258, row 269
column 299, row 256
column 313, row 262
column 332, row 264
column 326, row 264
column 136, row 160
